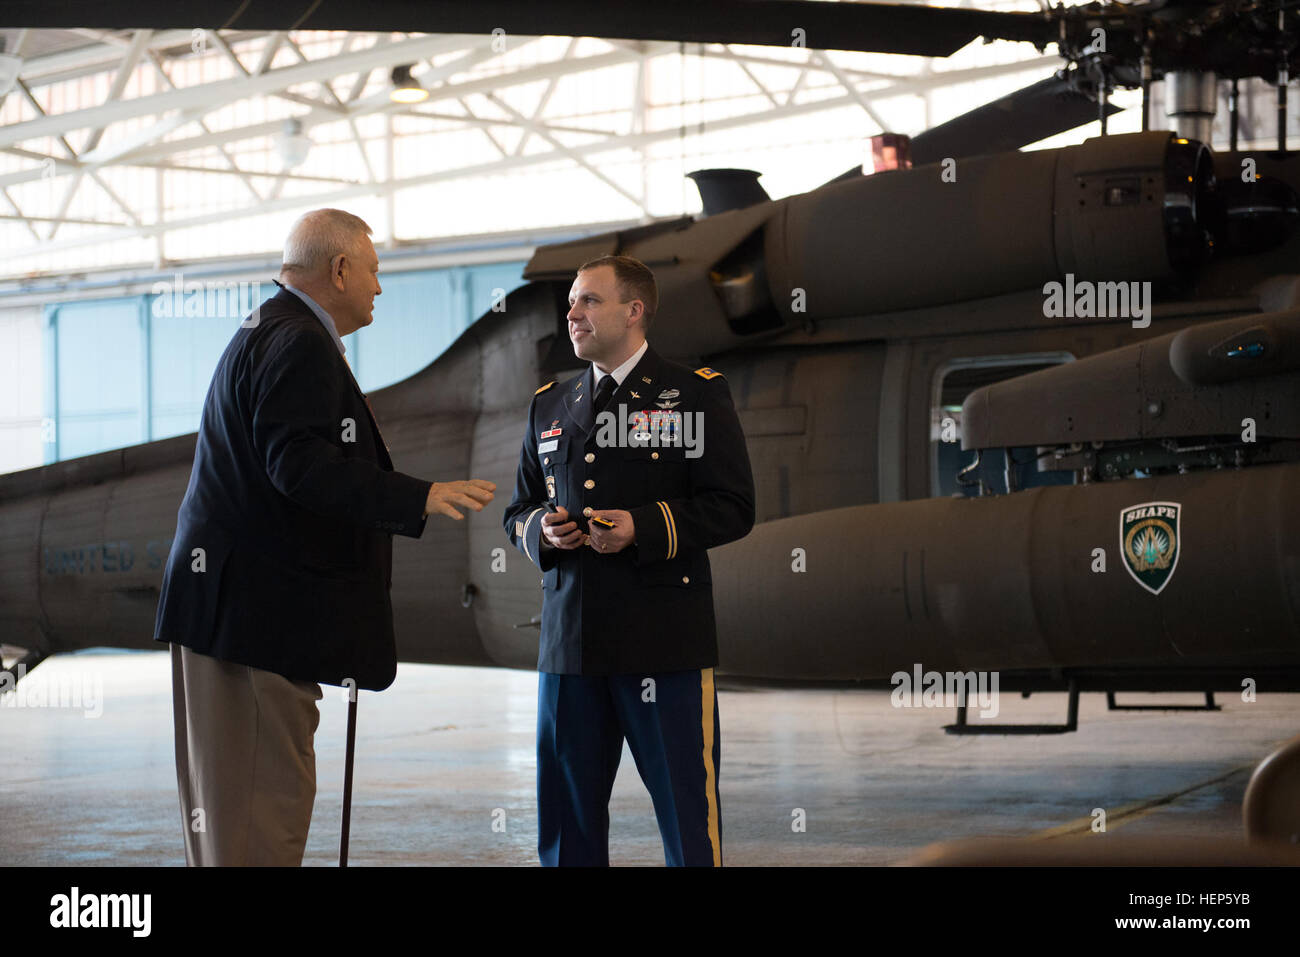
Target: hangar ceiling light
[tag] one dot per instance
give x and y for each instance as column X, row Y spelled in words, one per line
column 405, row 88
column 293, row 144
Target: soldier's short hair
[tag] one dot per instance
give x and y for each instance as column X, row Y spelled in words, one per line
column 635, row 281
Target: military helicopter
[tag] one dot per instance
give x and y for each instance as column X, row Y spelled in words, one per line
column 1035, row 413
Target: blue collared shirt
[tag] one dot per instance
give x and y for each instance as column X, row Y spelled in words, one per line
column 322, row 315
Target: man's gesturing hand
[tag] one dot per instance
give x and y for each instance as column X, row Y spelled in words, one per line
column 558, row 531
column 470, row 493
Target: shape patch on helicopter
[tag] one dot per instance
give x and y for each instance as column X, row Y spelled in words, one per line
column 1150, row 539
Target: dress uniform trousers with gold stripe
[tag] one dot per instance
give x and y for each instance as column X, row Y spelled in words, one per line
column 645, row 613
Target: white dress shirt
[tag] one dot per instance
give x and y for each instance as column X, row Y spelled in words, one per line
column 622, row 372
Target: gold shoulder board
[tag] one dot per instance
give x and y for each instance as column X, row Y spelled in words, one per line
column 551, row 383
column 707, row 373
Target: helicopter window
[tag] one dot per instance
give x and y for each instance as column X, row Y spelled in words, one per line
column 954, row 381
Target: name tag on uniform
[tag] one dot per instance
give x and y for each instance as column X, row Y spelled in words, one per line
column 550, row 446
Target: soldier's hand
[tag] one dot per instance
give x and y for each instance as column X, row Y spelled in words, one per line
column 559, row 532
column 609, row 541
column 469, row 493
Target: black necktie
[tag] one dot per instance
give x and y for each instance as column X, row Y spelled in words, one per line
column 604, row 391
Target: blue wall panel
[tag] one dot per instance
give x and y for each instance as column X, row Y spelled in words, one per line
column 98, row 381
column 484, row 280
column 420, row 314
column 124, row 371
column 184, row 353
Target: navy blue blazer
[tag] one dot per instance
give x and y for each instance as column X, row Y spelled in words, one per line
column 282, row 558
column 648, row 608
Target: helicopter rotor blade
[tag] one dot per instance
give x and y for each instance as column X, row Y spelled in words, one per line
column 1025, row 116
column 866, row 27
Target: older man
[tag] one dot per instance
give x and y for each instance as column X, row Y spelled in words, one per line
column 280, row 570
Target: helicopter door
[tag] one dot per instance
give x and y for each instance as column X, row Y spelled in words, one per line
column 953, row 382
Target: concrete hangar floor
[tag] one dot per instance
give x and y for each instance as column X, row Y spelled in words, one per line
column 445, row 772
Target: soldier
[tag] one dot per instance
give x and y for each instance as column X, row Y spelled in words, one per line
column 629, row 472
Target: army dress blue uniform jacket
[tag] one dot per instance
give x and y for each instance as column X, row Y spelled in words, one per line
column 648, row 608
column 294, row 512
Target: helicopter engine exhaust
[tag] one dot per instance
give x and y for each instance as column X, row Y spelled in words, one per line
column 1126, row 207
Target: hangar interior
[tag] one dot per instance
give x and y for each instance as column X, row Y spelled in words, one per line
column 146, row 181
column 132, row 162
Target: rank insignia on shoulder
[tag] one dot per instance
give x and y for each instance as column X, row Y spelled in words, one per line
column 545, row 387
column 707, row 373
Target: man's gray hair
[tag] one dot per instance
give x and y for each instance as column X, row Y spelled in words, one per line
column 320, row 235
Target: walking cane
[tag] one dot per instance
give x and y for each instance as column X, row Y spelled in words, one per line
column 347, row 776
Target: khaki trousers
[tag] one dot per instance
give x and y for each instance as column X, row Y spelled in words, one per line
column 245, row 761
